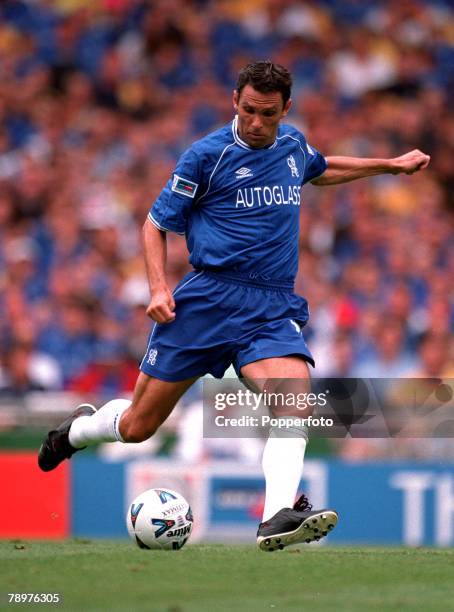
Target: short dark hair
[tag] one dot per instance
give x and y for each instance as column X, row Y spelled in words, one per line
column 266, row 77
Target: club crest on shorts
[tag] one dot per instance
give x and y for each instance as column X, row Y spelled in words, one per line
column 152, row 355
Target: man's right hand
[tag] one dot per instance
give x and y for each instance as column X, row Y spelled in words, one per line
column 162, row 306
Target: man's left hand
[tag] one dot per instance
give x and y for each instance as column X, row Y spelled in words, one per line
column 410, row 162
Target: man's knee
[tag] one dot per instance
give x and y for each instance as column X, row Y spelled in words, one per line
column 132, row 430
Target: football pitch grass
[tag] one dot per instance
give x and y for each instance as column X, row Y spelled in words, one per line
column 116, row 575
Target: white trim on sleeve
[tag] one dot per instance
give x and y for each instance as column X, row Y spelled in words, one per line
column 160, row 227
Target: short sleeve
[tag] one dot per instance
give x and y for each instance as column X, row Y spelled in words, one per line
column 316, row 163
column 170, row 211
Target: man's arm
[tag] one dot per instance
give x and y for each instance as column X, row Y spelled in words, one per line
column 345, row 169
column 162, row 305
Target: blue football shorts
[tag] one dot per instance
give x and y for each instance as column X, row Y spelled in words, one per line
column 223, row 319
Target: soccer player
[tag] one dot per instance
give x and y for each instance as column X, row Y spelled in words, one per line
column 235, row 195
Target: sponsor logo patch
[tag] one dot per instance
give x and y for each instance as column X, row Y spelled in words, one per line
column 183, row 186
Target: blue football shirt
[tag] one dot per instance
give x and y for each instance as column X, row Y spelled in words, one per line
column 239, row 206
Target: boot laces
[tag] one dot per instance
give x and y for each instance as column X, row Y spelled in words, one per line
column 302, row 504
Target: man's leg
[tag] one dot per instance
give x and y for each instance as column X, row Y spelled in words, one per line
column 283, row 455
column 284, row 520
column 118, row 420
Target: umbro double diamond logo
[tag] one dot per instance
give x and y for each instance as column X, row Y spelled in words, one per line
column 243, row 173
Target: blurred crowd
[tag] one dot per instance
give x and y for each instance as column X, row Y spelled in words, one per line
column 98, row 98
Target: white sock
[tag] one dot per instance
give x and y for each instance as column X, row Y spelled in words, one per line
column 282, row 464
column 102, row 426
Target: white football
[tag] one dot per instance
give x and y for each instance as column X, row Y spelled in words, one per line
column 159, row 519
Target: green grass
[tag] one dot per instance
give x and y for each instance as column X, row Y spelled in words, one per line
column 107, row 575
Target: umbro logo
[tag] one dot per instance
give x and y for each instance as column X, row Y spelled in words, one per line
column 243, row 173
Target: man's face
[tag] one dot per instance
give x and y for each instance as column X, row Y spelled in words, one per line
column 259, row 115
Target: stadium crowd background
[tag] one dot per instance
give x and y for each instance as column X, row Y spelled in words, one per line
column 98, row 98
